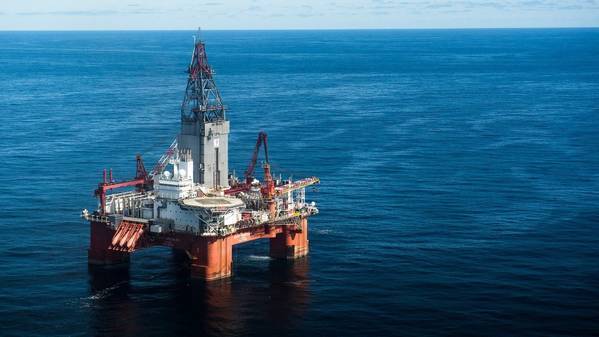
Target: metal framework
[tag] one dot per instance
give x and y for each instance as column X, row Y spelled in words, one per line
column 163, row 161
column 140, row 181
column 202, row 99
column 249, row 172
column 262, row 139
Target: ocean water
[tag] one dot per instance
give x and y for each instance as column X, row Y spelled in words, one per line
column 459, row 168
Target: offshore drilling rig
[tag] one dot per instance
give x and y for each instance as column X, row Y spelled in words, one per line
column 190, row 202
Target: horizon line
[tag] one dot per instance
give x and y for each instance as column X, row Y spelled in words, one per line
column 297, row 29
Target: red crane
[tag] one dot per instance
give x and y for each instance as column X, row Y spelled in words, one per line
column 140, row 181
column 262, row 139
column 268, row 190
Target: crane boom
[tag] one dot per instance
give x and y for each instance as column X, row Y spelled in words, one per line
column 262, row 139
column 163, row 161
column 296, row 185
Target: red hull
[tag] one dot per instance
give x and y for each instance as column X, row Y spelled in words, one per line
column 211, row 258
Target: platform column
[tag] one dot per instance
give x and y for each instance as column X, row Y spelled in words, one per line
column 291, row 243
column 100, row 240
column 212, row 259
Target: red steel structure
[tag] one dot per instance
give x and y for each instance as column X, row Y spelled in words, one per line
column 210, row 258
column 179, row 210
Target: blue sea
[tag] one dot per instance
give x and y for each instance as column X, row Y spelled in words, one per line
column 459, row 168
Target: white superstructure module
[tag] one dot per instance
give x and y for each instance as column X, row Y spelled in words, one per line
column 177, row 204
column 178, row 183
column 184, row 206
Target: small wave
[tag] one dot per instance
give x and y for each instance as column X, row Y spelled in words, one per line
column 298, row 283
column 324, row 231
column 259, row 257
column 104, row 292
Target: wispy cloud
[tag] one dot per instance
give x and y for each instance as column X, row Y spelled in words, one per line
column 328, row 13
column 76, row 13
column 455, row 6
column 308, row 15
column 511, row 4
column 254, row 8
column 132, row 10
column 380, row 13
column 390, row 8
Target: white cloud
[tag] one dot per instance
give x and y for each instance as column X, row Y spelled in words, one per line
column 271, row 14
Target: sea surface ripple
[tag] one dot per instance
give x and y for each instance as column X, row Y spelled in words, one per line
column 459, row 168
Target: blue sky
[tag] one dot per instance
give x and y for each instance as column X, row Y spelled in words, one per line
column 271, row 14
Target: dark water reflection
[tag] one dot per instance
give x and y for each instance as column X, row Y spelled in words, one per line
column 252, row 303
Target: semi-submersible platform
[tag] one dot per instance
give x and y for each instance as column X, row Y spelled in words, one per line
column 191, row 203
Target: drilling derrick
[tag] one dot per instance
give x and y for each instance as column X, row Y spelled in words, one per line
column 204, row 127
column 191, row 203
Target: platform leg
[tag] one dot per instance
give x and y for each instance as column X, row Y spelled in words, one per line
column 212, row 259
column 100, row 240
column 291, row 244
